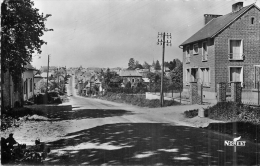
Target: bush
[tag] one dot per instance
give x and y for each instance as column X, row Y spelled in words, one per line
column 191, row 113
column 10, row 116
column 231, row 111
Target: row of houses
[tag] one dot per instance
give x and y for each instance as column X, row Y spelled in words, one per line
column 15, row 94
column 226, row 49
column 33, row 82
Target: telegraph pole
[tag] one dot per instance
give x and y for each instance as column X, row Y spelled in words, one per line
column 168, row 43
column 48, row 75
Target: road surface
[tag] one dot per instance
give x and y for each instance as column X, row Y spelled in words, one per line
column 108, row 133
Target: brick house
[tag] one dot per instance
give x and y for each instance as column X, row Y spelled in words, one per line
column 131, row 76
column 226, row 49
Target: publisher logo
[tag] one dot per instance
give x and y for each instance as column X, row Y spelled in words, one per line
column 235, row 143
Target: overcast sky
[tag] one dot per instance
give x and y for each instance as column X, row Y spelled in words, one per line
column 107, row 33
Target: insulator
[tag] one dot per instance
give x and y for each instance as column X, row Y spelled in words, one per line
column 157, row 43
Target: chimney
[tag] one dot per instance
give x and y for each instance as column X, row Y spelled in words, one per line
column 209, row 17
column 237, row 6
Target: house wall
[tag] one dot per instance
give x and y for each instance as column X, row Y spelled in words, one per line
column 196, row 62
column 127, row 79
column 28, row 76
column 10, row 94
column 240, row 29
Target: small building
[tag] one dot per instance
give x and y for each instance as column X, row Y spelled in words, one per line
column 28, row 82
column 131, row 76
column 38, row 84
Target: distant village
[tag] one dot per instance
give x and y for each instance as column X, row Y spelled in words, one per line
column 88, row 81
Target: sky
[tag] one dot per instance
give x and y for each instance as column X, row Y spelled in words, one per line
column 107, row 33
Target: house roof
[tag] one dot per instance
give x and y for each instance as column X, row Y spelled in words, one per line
column 29, row 67
column 216, row 25
column 146, row 80
column 129, row 73
column 38, row 76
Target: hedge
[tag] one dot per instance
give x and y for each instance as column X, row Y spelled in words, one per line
column 138, row 100
column 231, row 111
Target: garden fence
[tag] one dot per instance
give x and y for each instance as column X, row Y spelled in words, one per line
column 250, row 94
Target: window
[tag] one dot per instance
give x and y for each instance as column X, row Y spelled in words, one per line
column 204, row 51
column 187, row 76
column 25, row 86
column 187, row 54
column 257, row 75
column 252, row 20
column 236, row 74
column 31, row 85
column 194, row 75
column 205, row 76
column 195, row 49
column 133, row 80
column 236, row 49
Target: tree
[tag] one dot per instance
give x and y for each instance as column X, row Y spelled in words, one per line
column 157, row 65
column 153, row 64
column 172, row 64
column 139, row 66
column 131, row 64
column 146, row 65
column 178, row 62
column 22, row 27
column 128, row 84
column 177, row 77
column 136, row 63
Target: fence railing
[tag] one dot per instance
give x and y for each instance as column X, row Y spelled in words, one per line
column 251, row 94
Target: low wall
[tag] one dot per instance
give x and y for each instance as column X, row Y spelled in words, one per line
column 151, row 96
column 206, row 94
column 51, row 107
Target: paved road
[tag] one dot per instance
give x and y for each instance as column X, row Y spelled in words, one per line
column 111, row 133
